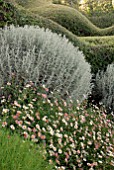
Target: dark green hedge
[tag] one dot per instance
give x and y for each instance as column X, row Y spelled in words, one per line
column 104, row 20
column 98, row 56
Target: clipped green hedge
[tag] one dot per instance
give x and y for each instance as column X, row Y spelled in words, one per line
column 21, row 18
column 99, row 56
column 99, row 51
column 104, row 20
column 69, row 18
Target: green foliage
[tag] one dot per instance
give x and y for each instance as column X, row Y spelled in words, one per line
column 102, row 20
column 8, row 14
column 94, row 7
column 31, row 19
column 99, row 56
column 57, row 1
column 25, row 18
column 73, row 136
column 19, row 154
column 99, row 52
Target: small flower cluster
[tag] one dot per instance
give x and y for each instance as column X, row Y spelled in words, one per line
column 74, row 137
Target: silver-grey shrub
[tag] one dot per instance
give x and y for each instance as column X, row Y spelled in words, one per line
column 41, row 56
column 105, row 86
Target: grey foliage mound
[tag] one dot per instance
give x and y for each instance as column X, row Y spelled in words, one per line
column 105, row 86
column 41, row 56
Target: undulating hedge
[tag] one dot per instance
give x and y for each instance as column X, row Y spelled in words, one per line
column 71, row 19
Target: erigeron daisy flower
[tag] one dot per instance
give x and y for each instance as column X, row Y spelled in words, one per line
column 44, row 96
column 29, row 129
column 17, row 104
column 4, row 124
column 3, row 100
column 39, row 134
column 100, row 161
column 89, row 142
column 27, row 122
column 43, row 137
column 72, row 145
column 64, row 103
column 8, row 83
column 38, row 127
column 37, row 115
column 44, row 118
column 50, row 161
column 57, row 161
column 82, row 145
column 61, row 129
column 12, row 127
column 91, row 168
column 55, row 149
column 51, row 153
column 30, row 105
column 30, row 117
column 60, row 109
column 91, row 122
column 15, row 117
column 59, row 151
column 112, row 162
column 25, row 107
column 33, row 136
column 24, row 127
column 64, row 121
column 5, row 111
column 43, row 129
column 65, row 135
column 59, row 114
column 76, row 125
column 25, row 135
column 82, row 119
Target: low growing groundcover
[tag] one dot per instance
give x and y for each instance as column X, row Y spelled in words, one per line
column 74, row 136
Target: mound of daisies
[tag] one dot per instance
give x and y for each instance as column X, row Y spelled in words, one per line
column 74, row 136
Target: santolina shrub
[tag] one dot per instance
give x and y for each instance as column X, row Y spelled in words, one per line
column 33, row 54
column 105, row 86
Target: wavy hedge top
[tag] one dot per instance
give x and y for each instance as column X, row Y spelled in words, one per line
column 64, row 16
column 71, row 19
